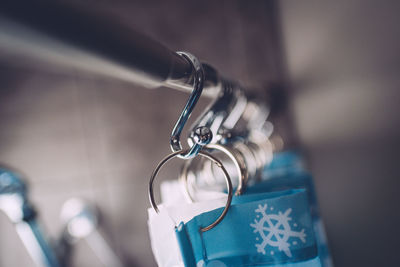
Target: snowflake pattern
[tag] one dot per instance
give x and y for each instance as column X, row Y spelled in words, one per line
column 275, row 230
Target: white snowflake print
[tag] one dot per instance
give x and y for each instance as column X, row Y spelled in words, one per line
column 275, row 230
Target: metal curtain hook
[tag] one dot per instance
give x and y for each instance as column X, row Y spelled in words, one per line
column 201, row 135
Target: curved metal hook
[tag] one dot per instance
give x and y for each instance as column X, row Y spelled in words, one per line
column 202, row 135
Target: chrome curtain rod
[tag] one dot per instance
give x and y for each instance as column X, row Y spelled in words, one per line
column 63, row 34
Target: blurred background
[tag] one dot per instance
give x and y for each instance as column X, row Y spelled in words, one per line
column 72, row 133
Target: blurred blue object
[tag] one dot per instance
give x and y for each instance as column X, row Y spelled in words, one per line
column 14, row 203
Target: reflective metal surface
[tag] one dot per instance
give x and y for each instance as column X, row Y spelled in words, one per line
column 64, row 34
column 80, row 221
column 198, row 84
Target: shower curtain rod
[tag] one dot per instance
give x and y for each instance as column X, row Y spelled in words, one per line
column 63, row 34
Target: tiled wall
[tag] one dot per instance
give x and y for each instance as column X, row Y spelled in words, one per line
column 73, row 134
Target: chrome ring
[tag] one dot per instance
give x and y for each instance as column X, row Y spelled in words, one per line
column 238, row 161
column 203, row 154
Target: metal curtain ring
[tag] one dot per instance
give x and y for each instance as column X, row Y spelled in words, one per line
column 203, row 134
column 203, row 154
column 238, row 161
